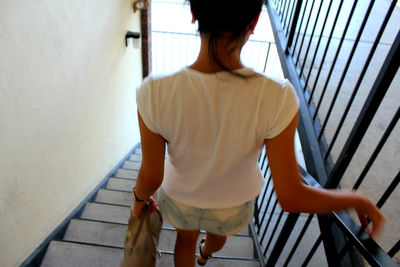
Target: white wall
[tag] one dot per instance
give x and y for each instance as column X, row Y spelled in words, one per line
column 67, row 110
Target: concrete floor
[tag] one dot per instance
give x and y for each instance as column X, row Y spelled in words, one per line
column 387, row 165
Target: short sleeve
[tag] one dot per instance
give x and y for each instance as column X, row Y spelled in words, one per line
column 286, row 108
column 146, row 105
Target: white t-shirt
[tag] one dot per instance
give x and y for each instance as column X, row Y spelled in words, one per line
column 215, row 125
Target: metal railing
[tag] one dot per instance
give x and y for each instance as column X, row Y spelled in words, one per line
column 172, row 51
column 343, row 59
column 280, row 235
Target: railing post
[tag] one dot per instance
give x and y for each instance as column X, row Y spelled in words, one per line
column 145, row 26
column 282, row 239
column 375, row 97
column 294, row 24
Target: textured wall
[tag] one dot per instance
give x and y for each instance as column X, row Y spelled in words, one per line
column 67, row 110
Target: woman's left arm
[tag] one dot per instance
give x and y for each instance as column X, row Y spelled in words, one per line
column 151, row 171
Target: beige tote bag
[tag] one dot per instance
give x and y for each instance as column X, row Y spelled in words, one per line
column 142, row 238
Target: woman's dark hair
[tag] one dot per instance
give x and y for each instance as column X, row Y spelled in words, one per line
column 216, row 17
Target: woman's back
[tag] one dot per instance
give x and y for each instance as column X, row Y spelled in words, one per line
column 215, row 125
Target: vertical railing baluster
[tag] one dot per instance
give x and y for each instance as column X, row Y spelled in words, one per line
column 263, row 161
column 284, row 9
column 290, row 40
column 394, row 249
column 266, row 170
column 375, row 97
column 311, row 40
column 325, row 52
column 290, row 18
column 280, row 4
column 335, row 59
column 378, row 148
column 294, row 24
column 389, row 191
column 361, row 77
column 264, row 194
column 318, row 43
column 268, row 202
column 305, row 31
column 266, row 57
column 344, row 73
column 314, row 248
column 269, row 221
column 298, row 240
column 285, row 23
column 274, row 231
column 256, row 213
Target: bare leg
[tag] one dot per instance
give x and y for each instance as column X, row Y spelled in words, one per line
column 213, row 244
column 185, row 248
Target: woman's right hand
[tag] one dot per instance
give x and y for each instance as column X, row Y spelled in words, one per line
column 138, row 206
column 367, row 210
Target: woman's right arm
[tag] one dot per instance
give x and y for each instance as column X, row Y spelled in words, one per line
column 295, row 196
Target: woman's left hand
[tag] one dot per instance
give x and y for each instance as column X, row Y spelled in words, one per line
column 138, row 206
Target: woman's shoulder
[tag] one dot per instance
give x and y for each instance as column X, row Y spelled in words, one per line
column 270, row 79
column 269, row 83
column 155, row 80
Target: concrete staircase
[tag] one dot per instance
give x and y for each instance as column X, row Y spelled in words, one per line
column 96, row 238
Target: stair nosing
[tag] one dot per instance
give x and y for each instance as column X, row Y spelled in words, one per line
column 88, row 244
column 115, row 190
column 119, row 205
column 122, row 178
column 125, row 169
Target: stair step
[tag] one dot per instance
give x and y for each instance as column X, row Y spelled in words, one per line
column 114, row 197
column 125, row 173
column 132, row 165
column 118, row 214
column 109, row 234
column 66, row 254
column 106, row 213
column 110, row 213
column 120, row 184
column 97, row 233
column 136, row 157
column 138, row 151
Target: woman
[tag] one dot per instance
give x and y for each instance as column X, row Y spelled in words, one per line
column 215, row 116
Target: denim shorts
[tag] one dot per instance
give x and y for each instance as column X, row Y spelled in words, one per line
column 227, row 221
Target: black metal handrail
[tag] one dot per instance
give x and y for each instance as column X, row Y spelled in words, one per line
column 357, row 237
column 305, row 32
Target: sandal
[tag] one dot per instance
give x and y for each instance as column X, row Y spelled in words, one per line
column 201, row 253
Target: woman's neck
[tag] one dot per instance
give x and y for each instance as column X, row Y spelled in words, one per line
column 228, row 56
